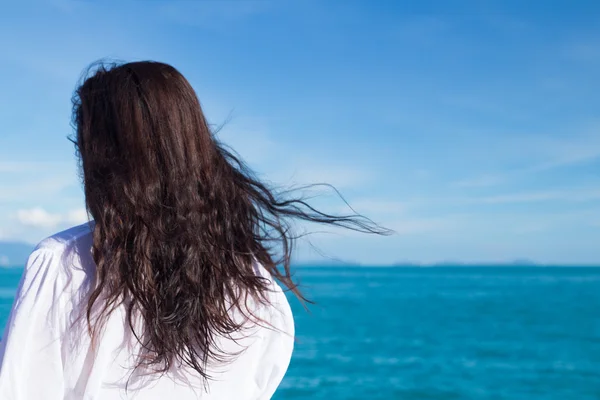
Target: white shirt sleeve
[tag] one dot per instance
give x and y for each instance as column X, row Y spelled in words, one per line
column 278, row 346
column 31, row 365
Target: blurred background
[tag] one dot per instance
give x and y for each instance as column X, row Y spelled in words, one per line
column 469, row 127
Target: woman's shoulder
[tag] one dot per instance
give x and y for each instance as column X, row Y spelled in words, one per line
column 64, row 252
column 79, row 235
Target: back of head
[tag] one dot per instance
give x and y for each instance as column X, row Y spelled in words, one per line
column 145, row 146
column 179, row 220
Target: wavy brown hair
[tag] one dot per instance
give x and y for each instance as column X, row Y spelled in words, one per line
column 179, row 219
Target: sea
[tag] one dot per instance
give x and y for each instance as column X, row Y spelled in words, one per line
column 444, row 333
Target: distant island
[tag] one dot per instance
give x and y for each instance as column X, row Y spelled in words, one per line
column 519, row 262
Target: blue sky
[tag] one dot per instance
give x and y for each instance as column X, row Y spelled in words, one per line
column 471, row 128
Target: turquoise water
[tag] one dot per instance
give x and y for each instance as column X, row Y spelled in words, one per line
column 440, row 333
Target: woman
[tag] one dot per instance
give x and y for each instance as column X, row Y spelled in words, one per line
column 171, row 290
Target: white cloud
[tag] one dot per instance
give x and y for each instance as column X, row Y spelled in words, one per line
column 78, row 216
column 39, row 218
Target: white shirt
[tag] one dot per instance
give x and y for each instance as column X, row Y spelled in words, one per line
column 46, row 352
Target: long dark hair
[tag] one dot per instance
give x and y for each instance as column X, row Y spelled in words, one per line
column 179, row 219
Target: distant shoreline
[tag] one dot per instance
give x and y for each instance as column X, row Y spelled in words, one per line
column 440, row 266
column 409, row 266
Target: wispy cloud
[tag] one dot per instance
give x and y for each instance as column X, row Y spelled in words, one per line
column 35, row 188
column 378, row 206
column 414, row 226
column 276, row 162
column 570, row 151
column 40, row 218
column 250, row 141
column 26, row 166
column 481, row 181
column 499, row 117
column 67, row 6
column 17, row 166
column 550, row 154
column 214, row 15
column 578, row 195
column 340, row 176
column 583, row 49
column 566, row 195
